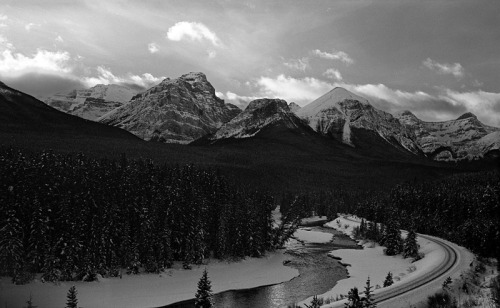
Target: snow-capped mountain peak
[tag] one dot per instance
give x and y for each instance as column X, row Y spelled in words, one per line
column 259, row 114
column 177, row 110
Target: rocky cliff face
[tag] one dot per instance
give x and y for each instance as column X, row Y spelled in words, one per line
column 91, row 103
column 176, row 110
column 338, row 111
column 463, row 138
column 259, row 114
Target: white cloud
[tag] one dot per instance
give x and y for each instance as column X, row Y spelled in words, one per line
column 16, row 64
column 397, row 97
column 105, row 76
column 59, row 39
column 194, row 31
column 153, row 47
column 291, row 89
column 454, row 69
column 3, row 17
column 298, row 64
column 333, row 74
column 335, row 55
column 29, row 26
column 211, row 53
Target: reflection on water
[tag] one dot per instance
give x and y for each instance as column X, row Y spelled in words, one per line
column 318, row 273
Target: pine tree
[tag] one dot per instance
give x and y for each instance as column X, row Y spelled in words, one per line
column 315, row 302
column 72, row 302
column 388, row 280
column 393, row 241
column 410, row 246
column 29, row 303
column 204, row 293
column 353, row 300
column 368, row 299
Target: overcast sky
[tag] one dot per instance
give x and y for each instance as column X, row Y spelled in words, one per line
column 438, row 59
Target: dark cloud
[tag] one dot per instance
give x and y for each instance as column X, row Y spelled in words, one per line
column 43, row 85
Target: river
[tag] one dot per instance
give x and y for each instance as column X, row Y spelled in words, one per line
column 318, row 273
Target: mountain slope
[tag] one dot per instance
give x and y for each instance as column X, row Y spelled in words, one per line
column 463, row 138
column 176, row 110
column 22, row 114
column 91, row 103
column 341, row 114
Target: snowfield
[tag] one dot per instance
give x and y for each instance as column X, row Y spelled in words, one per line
column 150, row 290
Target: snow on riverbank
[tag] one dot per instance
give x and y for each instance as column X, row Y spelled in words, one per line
column 149, row 290
column 306, row 235
column 372, row 262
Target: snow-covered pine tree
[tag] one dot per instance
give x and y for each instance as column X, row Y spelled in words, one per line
column 204, row 294
column 368, row 300
column 353, row 299
column 393, row 241
column 72, row 301
column 388, row 280
column 410, row 246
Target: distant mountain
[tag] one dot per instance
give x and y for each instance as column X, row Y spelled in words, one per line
column 175, row 111
column 92, row 103
column 347, row 117
column 463, row 138
column 259, row 115
column 23, row 116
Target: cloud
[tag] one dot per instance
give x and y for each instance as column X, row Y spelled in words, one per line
column 211, row 53
column 43, row 85
column 43, row 61
column 153, row 48
column 194, row 31
column 333, row 74
column 335, row 55
column 292, row 89
column 29, row 26
column 59, row 39
column 105, row 76
column 298, row 64
column 454, row 69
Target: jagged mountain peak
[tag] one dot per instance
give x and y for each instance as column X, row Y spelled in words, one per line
column 259, row 114
column 177, row 110
column 467, row 115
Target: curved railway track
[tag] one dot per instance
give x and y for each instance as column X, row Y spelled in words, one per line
column 383, row 297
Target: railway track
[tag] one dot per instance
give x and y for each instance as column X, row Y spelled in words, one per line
column 437, row 275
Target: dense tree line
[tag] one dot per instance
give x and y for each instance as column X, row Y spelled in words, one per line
column 73, row 217
column 463, row 208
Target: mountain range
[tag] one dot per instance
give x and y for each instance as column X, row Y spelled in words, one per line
column 92, row 103
column 185, row 109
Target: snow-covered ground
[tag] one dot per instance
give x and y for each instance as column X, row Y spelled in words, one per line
column 372, row 262
column 149, row 290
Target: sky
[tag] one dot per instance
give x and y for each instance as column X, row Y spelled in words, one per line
column 438, row 59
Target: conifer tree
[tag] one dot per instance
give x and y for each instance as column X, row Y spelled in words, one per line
column 410, row 246
column 204, row 293
column 388, row 280
column 368, row 299
column 72, row 301
column 315, row 302
column 393, row 241
column 29, row 303
column 353, row 300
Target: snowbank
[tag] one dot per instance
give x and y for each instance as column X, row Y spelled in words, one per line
column 306, row 235
column 149, row 290
column 372, row 262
